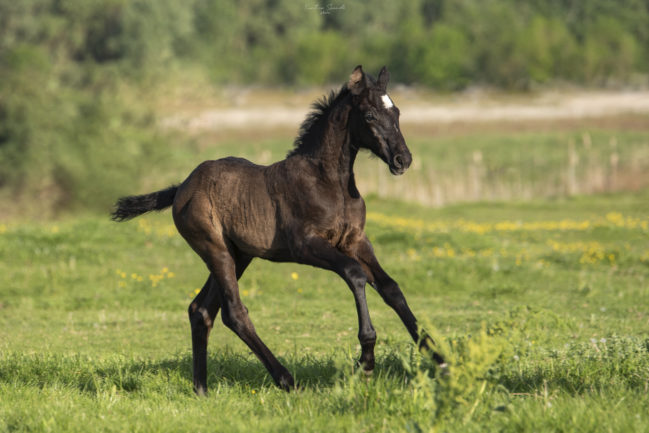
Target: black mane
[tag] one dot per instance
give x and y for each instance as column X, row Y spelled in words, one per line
column 313, row 127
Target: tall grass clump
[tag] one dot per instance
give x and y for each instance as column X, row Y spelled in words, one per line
column 489, row 368
column 469, row 385
column 422, row 395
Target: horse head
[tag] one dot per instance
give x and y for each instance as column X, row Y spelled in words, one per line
column 374, row 120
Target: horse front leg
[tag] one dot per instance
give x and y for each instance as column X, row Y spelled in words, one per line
column 318, row 252
column 393, row 296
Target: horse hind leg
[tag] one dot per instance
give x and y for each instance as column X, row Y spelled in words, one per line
column 202, row 311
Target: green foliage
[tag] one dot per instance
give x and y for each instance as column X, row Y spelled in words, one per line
column 456, row 391
column 67, row 138
column 64, row 148
column 447, row 45
column 73, row 72
column 439, row 58
column 610, row 51
column 318, row 56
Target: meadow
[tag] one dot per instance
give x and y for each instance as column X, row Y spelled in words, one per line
column 521, row 244
column 521, row 247
column 541, row 308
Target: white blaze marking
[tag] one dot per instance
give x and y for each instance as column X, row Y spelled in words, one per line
column 387, row 102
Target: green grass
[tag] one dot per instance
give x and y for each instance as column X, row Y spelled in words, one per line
column 546, row 326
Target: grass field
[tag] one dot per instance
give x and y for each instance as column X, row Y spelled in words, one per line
column 542, row 309
column 541, row 306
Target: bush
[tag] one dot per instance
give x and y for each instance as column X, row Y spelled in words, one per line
column 609, row 52
column 443, row 59
column 67, row 148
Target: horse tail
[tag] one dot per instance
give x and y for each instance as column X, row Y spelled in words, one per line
column 134, row 205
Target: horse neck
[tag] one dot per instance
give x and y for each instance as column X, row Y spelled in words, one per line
column 337, row 153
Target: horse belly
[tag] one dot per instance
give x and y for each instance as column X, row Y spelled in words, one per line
column 248, row 217
column 252, row 234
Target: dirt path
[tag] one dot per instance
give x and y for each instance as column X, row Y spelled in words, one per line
column 462, row 108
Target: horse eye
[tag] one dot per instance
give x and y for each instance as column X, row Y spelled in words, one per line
column 369, row 117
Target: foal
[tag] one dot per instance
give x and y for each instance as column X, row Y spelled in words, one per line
column 305, row 209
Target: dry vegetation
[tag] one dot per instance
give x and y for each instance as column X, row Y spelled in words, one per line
column 467, row 147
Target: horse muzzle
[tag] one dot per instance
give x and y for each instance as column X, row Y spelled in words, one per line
column 400, row 163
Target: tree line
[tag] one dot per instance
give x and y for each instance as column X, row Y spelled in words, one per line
column 68, row 136
column 444, row 44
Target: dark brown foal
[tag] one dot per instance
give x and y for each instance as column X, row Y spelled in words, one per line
column 304, row 209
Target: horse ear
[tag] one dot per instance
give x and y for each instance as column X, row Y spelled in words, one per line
column 357, row 81
column 384, row 77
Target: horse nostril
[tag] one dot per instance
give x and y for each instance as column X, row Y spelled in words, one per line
column 398, row 161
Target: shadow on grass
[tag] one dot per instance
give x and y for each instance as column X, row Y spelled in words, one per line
column 174, row 373
column 245, row 370
column 618, row 362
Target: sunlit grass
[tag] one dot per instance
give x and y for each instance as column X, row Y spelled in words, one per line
column 540, row 309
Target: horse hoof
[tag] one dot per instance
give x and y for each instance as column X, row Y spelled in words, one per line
column 200, row 391
column 286, row 383
column 444, row 370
